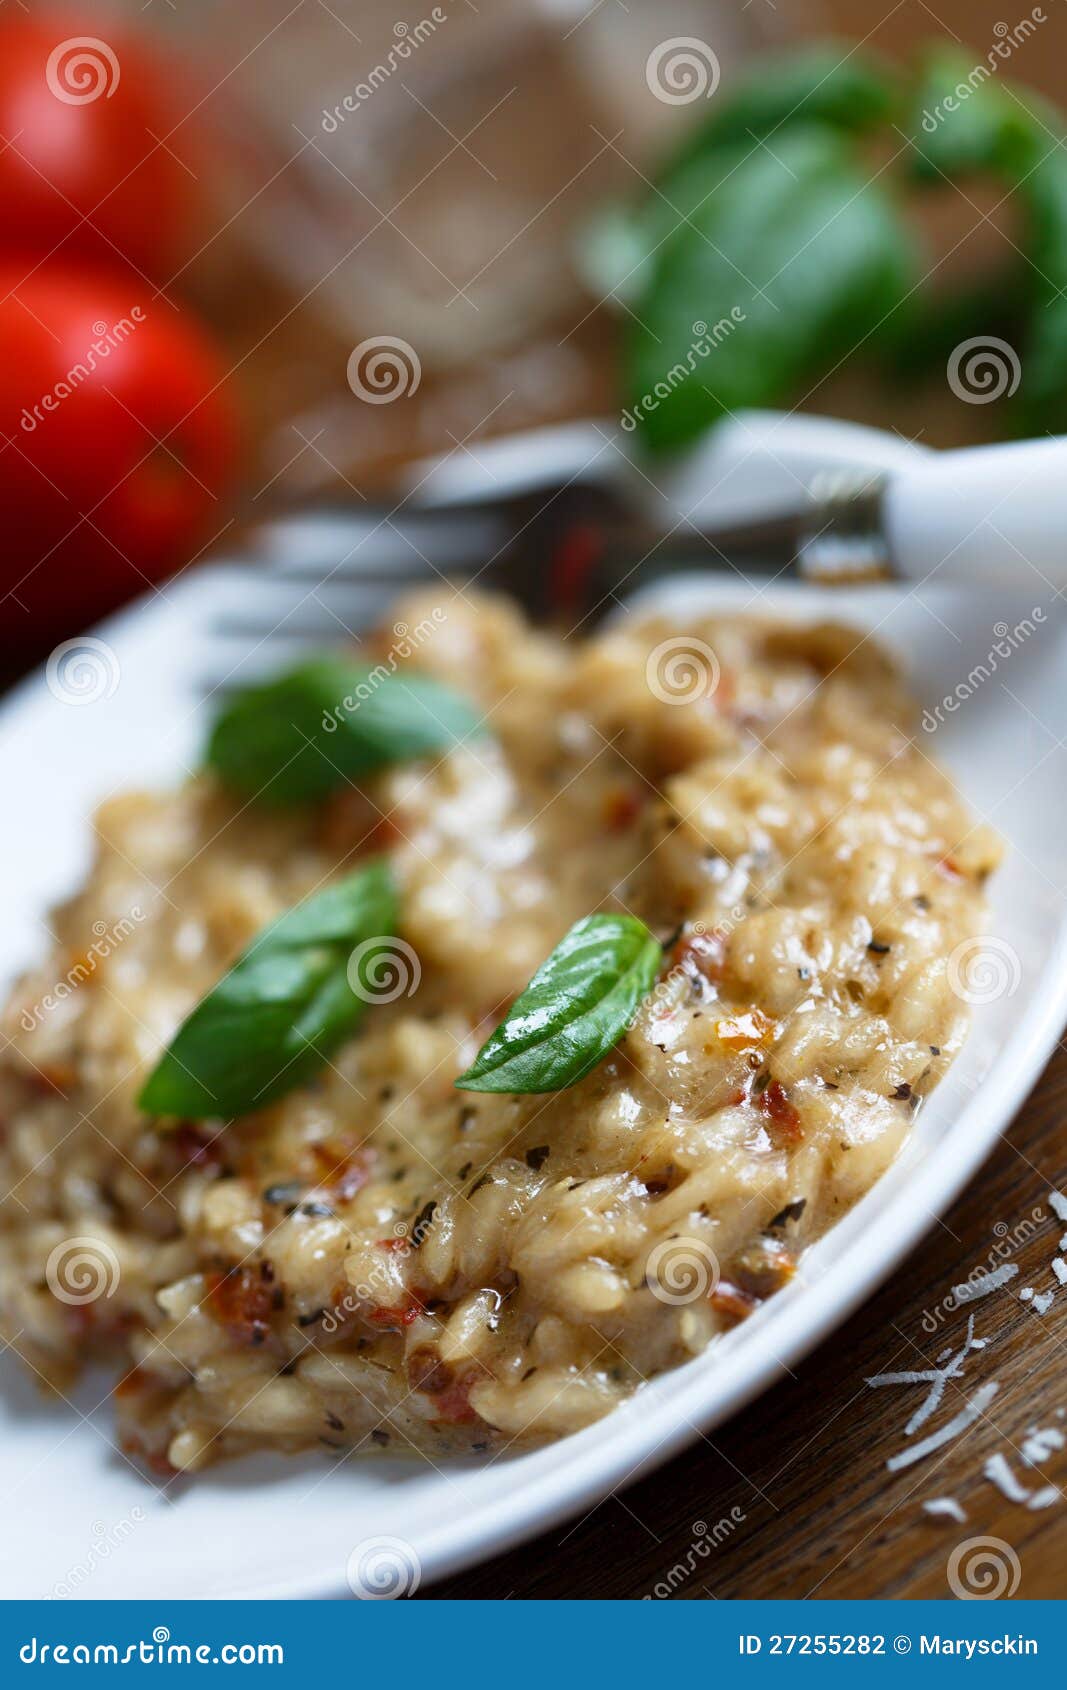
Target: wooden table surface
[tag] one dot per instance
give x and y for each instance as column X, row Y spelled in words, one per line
column 792, row 1498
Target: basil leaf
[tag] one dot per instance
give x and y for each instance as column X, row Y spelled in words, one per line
column 286, row 1003
column 576, row 1007
column 1041, row 406
column 830, row 83
column 794, row 260
column 295, row 739
column 965, row 127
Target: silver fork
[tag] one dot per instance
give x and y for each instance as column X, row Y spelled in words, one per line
column 564, row 552
column 567, row 549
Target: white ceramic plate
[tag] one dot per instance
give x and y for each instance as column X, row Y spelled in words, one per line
column 87, row 1523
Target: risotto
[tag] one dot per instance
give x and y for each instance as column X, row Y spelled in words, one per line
column 379, row 1260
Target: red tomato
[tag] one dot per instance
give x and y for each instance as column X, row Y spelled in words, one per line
column 116, row 443
column 88, row 156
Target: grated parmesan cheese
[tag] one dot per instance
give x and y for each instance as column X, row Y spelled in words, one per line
column 1039, row 1443
column 935, row 1377
column 985, row 1283
column 952, row 1429
column 945, row 1507
column 999, row 1473
column 1045, row 1497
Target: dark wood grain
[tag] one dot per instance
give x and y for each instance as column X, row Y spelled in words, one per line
column 803, row 1468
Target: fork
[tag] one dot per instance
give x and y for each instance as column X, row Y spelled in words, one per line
column 568, row 548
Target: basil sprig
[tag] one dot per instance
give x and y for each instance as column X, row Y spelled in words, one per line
column 576, row 1007
column 286, row 1003
column 775, row 245
column 295, row 739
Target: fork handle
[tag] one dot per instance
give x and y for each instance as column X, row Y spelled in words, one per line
column 988, row 513
column 994, row 514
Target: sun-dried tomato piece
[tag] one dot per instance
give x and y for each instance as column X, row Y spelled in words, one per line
column 763, row 1268
column 731, row 1302
column 622, row 806
column 349, row 822
column 153, row 1459
column 701, row 955
column 132, row 1383
column 427, row 1372
column 400, row 1315
column 773, row 1102
column 242, row 1300
column 341, row 1169
column 195, row 1146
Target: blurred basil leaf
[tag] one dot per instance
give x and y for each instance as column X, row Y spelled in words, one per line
column 965, row 122
column 970, row 124
column 832, row 83
column 797, row 240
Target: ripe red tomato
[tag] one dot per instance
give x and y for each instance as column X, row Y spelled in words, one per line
column 88, row 156
column 116, row 443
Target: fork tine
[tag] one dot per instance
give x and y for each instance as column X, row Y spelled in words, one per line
column 380, row 546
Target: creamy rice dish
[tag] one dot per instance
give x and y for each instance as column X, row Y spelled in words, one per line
column 375, row 1259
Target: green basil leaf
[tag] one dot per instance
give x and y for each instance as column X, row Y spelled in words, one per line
column 288, row 1001
column 576, row 1007
column 831, row 83
column 792, row 260
column 1041, row 405
column 965, row 124
column 971, row 122
column 941, row 319
column 295, row 739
